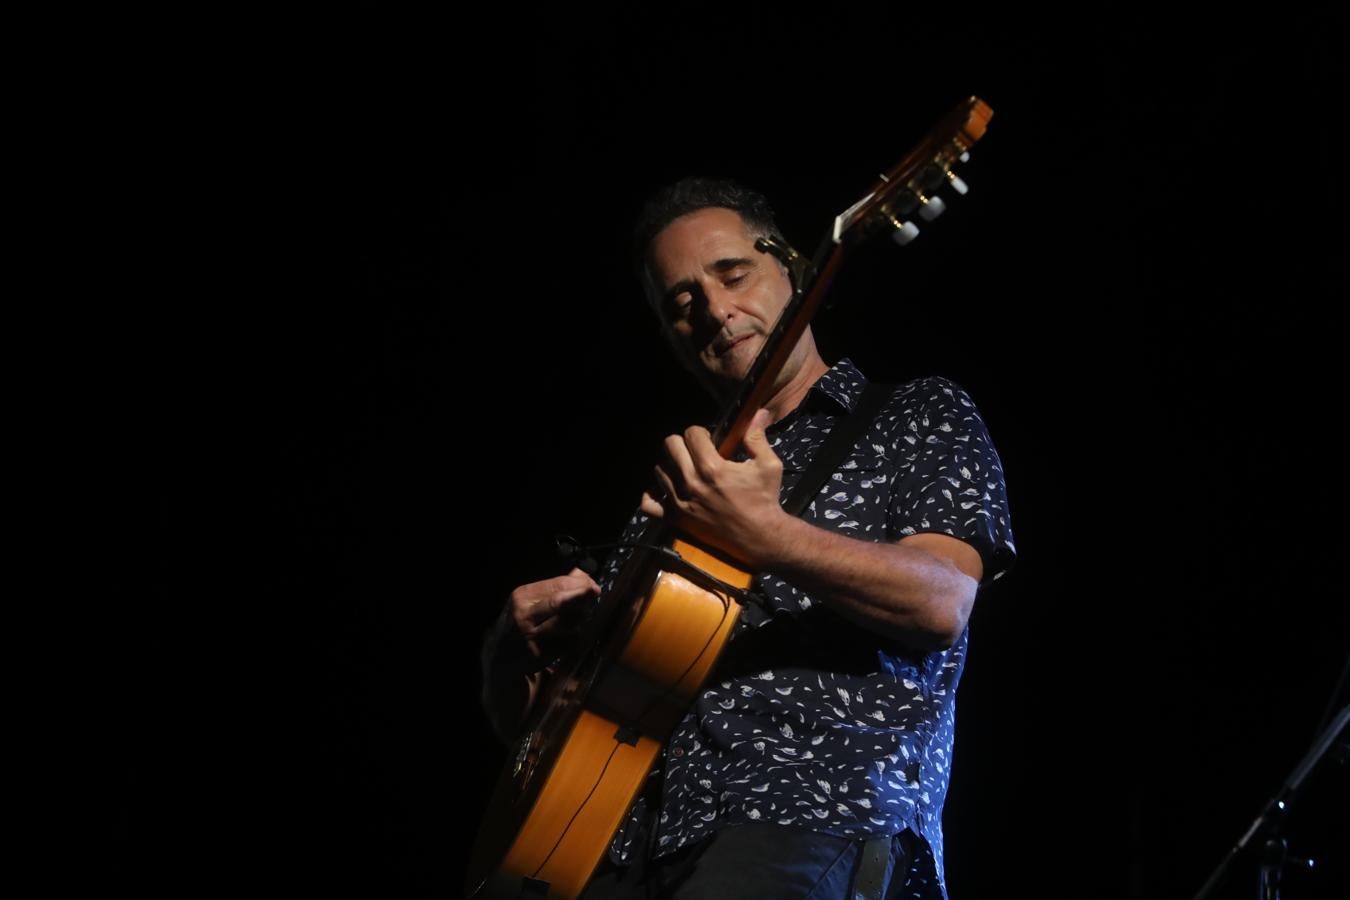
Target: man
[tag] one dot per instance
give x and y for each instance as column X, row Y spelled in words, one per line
column 821, row 746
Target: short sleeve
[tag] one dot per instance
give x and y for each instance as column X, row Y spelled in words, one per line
column 951, row 479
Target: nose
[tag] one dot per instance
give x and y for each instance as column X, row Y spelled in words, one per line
column 718, row 307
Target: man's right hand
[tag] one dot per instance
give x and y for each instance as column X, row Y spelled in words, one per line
column 551, row 610
column 535, row 627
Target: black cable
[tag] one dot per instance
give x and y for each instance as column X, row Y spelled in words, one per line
column 575, row 553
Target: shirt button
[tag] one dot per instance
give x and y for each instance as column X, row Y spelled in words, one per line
column 677, row 752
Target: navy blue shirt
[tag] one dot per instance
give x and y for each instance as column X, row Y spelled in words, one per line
column 809, row 720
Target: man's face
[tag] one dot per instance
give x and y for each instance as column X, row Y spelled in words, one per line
column 717, row 296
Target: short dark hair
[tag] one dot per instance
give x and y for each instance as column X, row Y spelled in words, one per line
column 690, row 195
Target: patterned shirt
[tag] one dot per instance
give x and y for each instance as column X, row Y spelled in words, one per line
column 812, row 721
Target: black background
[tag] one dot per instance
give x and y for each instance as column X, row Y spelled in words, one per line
column 425, row 356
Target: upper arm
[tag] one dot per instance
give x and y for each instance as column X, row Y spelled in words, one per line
column 950, row 483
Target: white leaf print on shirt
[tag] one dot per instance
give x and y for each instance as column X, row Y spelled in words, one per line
column 871, row 777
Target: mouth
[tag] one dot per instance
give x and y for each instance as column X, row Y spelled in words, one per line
column 723, row 349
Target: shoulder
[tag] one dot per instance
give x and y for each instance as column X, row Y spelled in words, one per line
column 922, row 399
column 929, row 412
column 934, row 389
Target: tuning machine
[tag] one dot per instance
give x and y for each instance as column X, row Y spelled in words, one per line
column 931, row 207
column 905, row 231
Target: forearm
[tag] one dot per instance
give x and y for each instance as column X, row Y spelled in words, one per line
column 903, row 593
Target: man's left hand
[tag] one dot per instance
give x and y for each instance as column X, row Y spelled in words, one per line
column 731, row 505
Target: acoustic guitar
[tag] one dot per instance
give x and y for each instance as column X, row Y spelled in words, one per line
column 651, row 641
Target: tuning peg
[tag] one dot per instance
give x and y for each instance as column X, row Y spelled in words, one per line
column 904, row 231
column 932, row 207
column 965, row 157
column 957, row 184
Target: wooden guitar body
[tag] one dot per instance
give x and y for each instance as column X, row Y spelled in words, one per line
column 579, row 768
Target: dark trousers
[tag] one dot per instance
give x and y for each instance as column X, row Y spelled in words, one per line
column 752, row 861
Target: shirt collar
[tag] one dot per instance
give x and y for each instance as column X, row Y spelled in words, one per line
column 843, row 384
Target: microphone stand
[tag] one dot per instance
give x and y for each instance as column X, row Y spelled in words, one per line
column 1266, row 828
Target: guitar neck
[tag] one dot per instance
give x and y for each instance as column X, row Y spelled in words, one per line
column 908, row 190
column 757, row 388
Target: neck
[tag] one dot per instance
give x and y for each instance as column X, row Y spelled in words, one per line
column 793, row 391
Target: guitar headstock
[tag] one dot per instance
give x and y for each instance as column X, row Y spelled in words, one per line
column 911, row 187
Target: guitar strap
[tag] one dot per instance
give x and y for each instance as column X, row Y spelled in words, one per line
column 841, row 439
column 845, row 433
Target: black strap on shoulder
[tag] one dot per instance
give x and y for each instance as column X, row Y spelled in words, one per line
column 841, row 439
